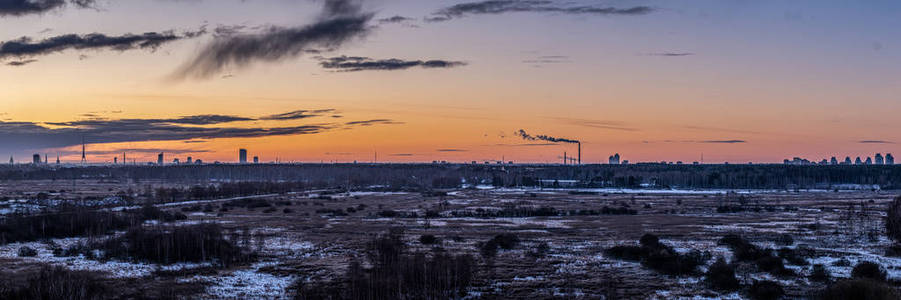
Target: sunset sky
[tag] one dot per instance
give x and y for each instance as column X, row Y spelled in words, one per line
column 413, row 80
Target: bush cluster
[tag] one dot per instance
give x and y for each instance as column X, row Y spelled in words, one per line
column 658, row 256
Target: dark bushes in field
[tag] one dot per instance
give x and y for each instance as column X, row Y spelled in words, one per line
column 428, row 239
column 763, row 258
column 721, row 276
column 26, row 251
column 23, row 228
column 56, row 283
column 396, row 274
column 893, row 220
column 766, row 290
column 820, row 274
column 224, row 190
column 249, row 204
column 743, row 250
column 658, row 256
column 540, row 250
column 167, row 245
column 868, row 270
column 792, row 256
column 855, row 289
column 773, row 265
column 150, row 212
column 544, row 211
column 504, row 241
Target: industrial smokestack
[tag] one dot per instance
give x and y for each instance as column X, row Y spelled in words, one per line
column 580, row 153
column 564, row 157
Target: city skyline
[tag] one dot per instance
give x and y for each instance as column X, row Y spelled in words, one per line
column 422, row 81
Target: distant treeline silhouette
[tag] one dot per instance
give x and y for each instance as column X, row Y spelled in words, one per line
column 418, row 176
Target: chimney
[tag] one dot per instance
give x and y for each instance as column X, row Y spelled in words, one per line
column 564, row 157
column 580, row 152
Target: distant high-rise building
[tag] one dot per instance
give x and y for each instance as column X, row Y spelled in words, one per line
column 256, row 159
column 45, row 158
column 847, row 160
column 878, row 159
column 889, row 159
column 242, row 156
column 175, row 161
column 115, row 160
column 36, row 158
column 57, row 158
column 833, row 161
column 824, row 162
column 614, row 159
column 11, row 160
column 190, row 160
column 159, row 159
column 857, row 161
column 198, row 162
column 869, row 161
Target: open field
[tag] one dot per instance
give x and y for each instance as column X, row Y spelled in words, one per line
column 310, row 237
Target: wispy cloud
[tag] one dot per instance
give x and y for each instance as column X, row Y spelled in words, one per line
column 875, row 142
column 723, row 141
column 339, row 22
column 26, row 7
column 20, row 136
column 451, row 150
column 600, row 124
column 671, row 54
column 357, row 63
column 20, row 63
column 494, row 7
column 28, row 47
column 298, row 114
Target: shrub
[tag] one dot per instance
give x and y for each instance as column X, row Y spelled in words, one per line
column 791, row 256
column 743, row 250
column 506, row 241
column 893, row 220
column 868, row 270
column 287, row 210
column 396, row 275
column 820, row 274
column 26, row 251
column 657, row 256
column 773, row 265
column 721, row 276
column 194, row 243
column 57, row 283
column 766, row 290
column 854, row 289
column 427, row 239
column 785, row 240
column 68, row 223
column 540, row 250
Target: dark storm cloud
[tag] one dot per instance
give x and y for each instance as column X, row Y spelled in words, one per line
column 26, row 7
column 20, row 63
column 30, row 135
column 340, row 22
column 28, row 47
column 356, row 63
column 508, row 6
column 298, row 114
column 522, row 133
column 875, row 142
